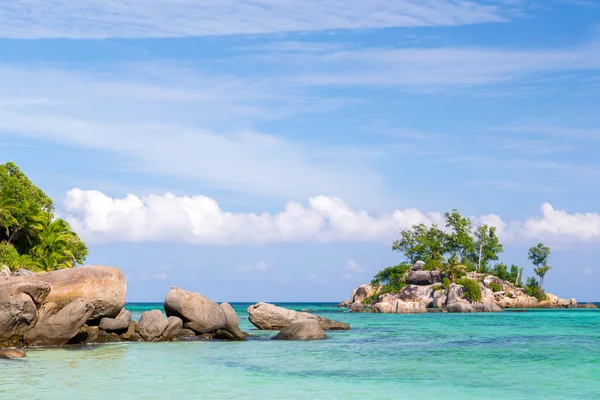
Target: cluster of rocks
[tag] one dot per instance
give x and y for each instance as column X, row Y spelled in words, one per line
column 425, row 293
column 294, row 325
column 86, row 305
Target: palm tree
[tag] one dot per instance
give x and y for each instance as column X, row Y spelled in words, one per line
column 59, row 247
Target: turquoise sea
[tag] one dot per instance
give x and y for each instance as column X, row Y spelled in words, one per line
column 537, row 354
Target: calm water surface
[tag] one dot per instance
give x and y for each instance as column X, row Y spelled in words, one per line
column 553, row 354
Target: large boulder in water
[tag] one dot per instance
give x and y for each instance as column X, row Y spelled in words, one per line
column 19, row 304
column 57, row 325
column 154, row 326
column 103, row 287
column 200, row 314
column 271, row 317
column 301, row 329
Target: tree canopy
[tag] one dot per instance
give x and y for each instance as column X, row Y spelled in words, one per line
column 456, row 249
column 30, row 236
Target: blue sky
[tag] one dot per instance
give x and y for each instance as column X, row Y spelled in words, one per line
column 272, row 150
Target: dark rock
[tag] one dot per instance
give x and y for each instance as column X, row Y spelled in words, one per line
column 423, row 277
column 301, row 329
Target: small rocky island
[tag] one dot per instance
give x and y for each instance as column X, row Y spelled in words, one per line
column 426, row 291
column 455, row 268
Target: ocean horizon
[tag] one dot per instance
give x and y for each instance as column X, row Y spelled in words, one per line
column 536, row 354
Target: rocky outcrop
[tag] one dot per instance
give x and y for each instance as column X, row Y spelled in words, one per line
column 120, row 323
column 423, row 277
column 364, row 291
column 153, row 326
column 271, row 317
column 457, row 303
column 57, row 325
column 103, row 287
column 398, row 306
column 12, row 353
column 202, row 315
column 344, row 304
column 421, row 294
column 302, row 329
column 19, row 303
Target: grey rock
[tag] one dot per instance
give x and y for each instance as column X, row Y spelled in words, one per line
column 301, row 329
column 56, row 326
column 419, row 265
column 152, row 325
column 173, row 328
column 19, row 303
column 271, row 317
column 423, row 277
column 400, row 307
column 462, row 306
column 344, row 304
column 24, row 272
column 120, row 323
column 422, row 294
column 206, row 315
column 233, row 322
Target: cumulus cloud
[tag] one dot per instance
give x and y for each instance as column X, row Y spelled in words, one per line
column 200, row 220
column 352, row 269
column 98, row 19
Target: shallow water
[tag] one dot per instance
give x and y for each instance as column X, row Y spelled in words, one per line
column 550, row 354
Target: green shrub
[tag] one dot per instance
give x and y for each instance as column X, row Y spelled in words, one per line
column 392, row 278
column 438, row 287
column 446, row 282
column 495, row 287
column 532, row 287
column 472, row 290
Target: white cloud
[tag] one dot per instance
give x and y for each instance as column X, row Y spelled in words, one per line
column 256, row 267
column 352, row 269
column 93, row 19
column 160, row 276
column 181, row 125
column 200, row 220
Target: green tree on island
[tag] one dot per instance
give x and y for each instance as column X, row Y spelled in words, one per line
column 539, row 257
column 30, row 236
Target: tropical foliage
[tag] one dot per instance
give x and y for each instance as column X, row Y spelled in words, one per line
column 30, row 236
column 457, row 248
column 539, row 257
